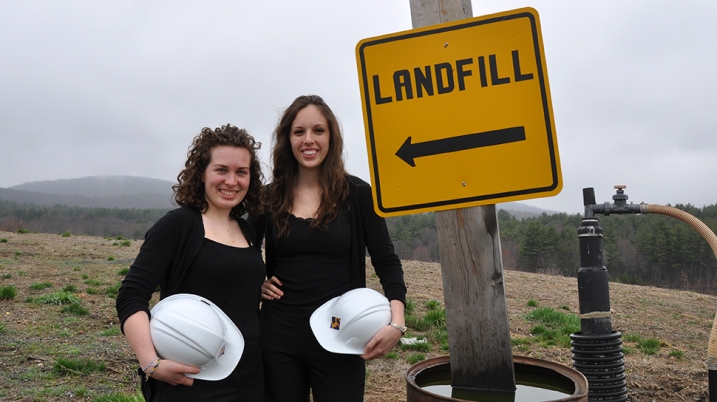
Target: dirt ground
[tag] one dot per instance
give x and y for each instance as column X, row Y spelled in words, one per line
column 680, row 320
column 33, row 337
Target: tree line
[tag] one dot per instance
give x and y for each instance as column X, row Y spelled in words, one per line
column 131, row 223
column 650, row 249
column 647, row 249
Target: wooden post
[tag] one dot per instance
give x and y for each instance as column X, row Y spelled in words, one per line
column 474, row 292
column 472, row 268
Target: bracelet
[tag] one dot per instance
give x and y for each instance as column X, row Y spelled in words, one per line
column 154, row 364
column 154, row 368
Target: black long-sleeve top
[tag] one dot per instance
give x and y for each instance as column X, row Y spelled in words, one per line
column 368, row 231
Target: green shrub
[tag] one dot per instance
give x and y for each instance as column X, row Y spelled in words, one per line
column 439, row 336
column 391, row 355
column 410, row 306
column 554, row 326
column 432, row 305
column 111, row 331
column 8, row 292
column 58, row 298
column 66, row 234
column 110, row 258
column 69, row 288
column 415, row 358
column 532, row 303
column 119, row 397
column 40, row 285
column 23, row 231
column 3, row 240
column 676, row 353
column 649, row 346
column 75, row 309
column 432, row 319
column 123, row 271
column 112, row 291
column 631, row 337
column 412, row 322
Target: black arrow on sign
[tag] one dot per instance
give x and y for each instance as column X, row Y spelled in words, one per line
column 409, row 151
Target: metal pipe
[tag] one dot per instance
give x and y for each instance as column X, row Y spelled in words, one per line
column 597, row 349
column 590, row 235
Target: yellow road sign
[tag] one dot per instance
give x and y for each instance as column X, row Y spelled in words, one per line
column 459, row 114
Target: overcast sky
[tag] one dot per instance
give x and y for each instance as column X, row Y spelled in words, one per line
column 120, row 88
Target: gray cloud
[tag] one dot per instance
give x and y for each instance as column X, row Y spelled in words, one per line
column 120, row 88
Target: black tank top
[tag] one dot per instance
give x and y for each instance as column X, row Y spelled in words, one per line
column 314, row 265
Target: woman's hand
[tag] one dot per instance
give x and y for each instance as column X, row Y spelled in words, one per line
column 173, row 373
column 383, row 342
column 270, row 289
column 387, row 337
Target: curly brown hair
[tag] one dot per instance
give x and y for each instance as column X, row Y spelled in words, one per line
column 190, row 188
column 334, row 184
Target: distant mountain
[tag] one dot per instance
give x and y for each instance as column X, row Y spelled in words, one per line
column 521, row 211
column 138, row 192
column 99, row 186
column 94, row 192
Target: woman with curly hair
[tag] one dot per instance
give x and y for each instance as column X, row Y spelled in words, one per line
column 204, row 248
column 319, row 224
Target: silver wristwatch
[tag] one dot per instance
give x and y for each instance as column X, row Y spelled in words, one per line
column 399, row 327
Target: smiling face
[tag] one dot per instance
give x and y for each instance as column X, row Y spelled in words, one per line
column 227, row 177
column 310, row 137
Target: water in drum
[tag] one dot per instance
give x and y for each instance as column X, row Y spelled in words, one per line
column 523, row 393
column 530, row 387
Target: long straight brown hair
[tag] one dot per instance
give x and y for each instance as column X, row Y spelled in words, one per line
column 332, row 176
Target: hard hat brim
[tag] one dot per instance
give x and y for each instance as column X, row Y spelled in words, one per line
column 220, row 368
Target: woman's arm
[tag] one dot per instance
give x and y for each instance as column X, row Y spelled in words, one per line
column 136, row 330
column 380, row 247
column 387, row 337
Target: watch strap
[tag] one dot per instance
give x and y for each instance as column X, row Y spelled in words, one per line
column 399, row 327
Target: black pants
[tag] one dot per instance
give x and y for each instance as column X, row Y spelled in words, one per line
column 294, row 362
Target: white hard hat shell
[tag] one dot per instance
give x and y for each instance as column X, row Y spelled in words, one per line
column 190, row 329
column 346, row 324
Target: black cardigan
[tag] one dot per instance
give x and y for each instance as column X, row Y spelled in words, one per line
column 368, row 231
column 169, row 247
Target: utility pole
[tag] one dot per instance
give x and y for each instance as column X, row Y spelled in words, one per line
column 481, row 355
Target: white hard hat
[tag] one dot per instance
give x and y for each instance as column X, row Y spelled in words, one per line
column 345, row 324
column 190, row 329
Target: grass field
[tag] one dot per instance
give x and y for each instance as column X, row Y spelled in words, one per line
column 60, row 338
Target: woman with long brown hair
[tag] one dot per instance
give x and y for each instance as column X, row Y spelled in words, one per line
column 321, row 221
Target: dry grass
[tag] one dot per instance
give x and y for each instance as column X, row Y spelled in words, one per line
column 34, row 336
